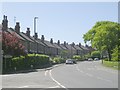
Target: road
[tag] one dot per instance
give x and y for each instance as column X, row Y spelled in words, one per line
column 87, row 74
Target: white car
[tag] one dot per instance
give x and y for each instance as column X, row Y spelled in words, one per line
column 96, row 59
column 90, row 59
column 69, row 61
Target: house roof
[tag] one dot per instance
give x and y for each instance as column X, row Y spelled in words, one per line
column 10, row 30
column 77, row 47
column 57, row 46
column 25, row 36
column 70, row 47
column 48, row 44
column 63, row 47
column 34, row 39
column 84, row 47
column 39, row 40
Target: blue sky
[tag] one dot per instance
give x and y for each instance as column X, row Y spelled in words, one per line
column 64, row 21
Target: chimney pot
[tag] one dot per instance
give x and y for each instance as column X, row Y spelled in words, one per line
column 58, row 42
column 51, row 41
column 28, row 32
column 42, row 38
column 17, row 27
column 4, row 23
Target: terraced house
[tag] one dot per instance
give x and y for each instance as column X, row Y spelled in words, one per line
column 34, row 44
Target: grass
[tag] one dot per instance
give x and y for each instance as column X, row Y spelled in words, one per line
column 112, row 64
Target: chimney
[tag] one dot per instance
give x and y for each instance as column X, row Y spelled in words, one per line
column 79, row 44
column 28, row 32
column 36, row 36
column 42, row 38
column 51, row 41
column 86, row 45
column 4, row 23
column 73, row 44
column 17, row 27
column 58, row 42
column 64, row 43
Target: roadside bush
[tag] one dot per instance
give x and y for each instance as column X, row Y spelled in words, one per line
column 25, row 62
column 77, row 57
column 57, row 60
column 18, row 62
column 95, row 54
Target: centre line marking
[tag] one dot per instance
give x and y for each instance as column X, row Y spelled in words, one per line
column 57, row 81
column 46, row 73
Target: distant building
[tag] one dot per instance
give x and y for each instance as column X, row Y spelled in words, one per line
column 42, row 46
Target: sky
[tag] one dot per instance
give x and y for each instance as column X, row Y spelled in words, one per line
column 64, row 21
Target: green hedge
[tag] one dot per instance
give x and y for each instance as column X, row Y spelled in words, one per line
column 36, row 60
column 57, row 60
column 77, row 57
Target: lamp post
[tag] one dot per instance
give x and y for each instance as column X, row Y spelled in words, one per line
column 35, row 29
column 35, row 24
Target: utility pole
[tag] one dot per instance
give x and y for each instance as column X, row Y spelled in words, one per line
column 14, row 20
column 35, row 32
column 35, row 25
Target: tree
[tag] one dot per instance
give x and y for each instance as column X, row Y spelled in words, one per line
column 115, row 54
column 95, row 54
column 104, row 36
column 11, row 45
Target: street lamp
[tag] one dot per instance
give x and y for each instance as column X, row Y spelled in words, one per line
column 35, row 25
column 35, row 30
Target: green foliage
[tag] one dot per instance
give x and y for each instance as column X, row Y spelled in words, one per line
column 95, row 54
column 87, row 56
column 77, row 57
column 57, row 60
column 115, row 54
column 23, row 62
column 111, row 64
column 104, row 36
column 64, row 53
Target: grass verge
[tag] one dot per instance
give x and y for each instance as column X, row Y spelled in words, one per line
column 112, row 64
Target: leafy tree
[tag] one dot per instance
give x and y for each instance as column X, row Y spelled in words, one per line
column 104, row 36
column 11, row 44
column 115, row 54
column 95, row 54
column 64, row 53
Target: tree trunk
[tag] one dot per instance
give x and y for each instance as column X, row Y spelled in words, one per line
column 109, row 54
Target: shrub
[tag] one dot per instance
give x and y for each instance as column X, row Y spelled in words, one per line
column 95, row 54
column 25, row 62
column 57, row 60
column 77, row 57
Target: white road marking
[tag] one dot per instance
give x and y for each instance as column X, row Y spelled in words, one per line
column 46, row 73
column 55, row 87
column 23, row 87
column 56, row 81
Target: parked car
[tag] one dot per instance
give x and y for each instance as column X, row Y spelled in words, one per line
column 96, row 59
column 90, row 59
column 69, row 61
